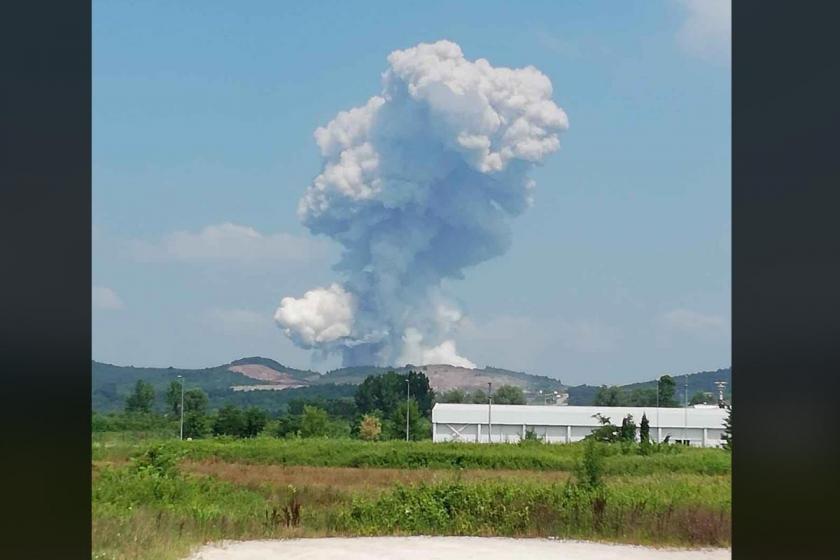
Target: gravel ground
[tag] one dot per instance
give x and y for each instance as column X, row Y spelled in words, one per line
column 443, row 548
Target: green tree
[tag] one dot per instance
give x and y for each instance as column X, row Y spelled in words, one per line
column 195, row 400
column 700, row 397
column 173, row 398
column 421, row 392
column 642, row 397
column 667, row 390
column 196, row 421
column 341, row 408
column 230, row 421
column 478, row 397
column 196, row 425
column 314, row 422
column 609, row 396
column 644, row 429
column 727, row 429
column 380, row 392
column 509, row 394
column 628, row 429
column 141, row 399
column 645, row 446
column 288, row 426
column 453, row 396
column 255, row 420
column 387, row 391
column 418, row 426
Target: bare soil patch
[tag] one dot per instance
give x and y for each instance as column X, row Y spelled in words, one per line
column 348, row 479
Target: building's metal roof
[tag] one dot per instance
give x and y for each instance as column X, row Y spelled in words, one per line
column 448, row 413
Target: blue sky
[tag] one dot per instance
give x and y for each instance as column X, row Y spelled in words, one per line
column 203, row 115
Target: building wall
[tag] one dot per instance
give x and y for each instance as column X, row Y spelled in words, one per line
column 512, row 433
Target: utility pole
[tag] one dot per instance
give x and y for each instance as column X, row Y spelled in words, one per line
column 407, row 402
column 657, row 408
column 489, row 412
column 181, row 377
column 685, row 405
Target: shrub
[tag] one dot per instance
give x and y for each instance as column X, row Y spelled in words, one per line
column 530, row 437
column 607, row 432
column 157, row 460
column 133, row 422
column 590, row 468
column 370, row 427
column 727, row 429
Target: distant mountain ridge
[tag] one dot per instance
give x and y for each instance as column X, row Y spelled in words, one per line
column 443, row 377
column 703, row 381
column 269, row 384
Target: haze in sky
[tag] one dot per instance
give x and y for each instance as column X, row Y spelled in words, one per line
column 203, row 123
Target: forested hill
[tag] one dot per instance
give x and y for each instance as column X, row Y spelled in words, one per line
column 111, row 384
column 269, row 384
column 703, row 381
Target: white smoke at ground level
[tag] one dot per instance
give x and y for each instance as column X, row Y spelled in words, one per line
column 416, row 353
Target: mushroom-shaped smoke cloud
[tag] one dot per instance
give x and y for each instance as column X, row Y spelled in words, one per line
column 419, row 184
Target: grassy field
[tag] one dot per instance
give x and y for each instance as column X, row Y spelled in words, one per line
column 184, row 494
column 421, row 454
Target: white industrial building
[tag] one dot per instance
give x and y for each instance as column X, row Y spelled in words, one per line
column 701, row 427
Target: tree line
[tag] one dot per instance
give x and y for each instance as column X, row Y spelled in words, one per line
column 506, row 394
column 664, row 395
column 666, row 391
column 626, row 433
column 378, row 410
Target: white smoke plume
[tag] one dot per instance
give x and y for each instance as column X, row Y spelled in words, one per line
column 417, row 185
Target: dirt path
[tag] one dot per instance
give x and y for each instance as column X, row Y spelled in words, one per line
column 443, row 548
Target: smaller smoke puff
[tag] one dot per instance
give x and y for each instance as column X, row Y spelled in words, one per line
column 414, row 352
column 321, row 316
column 417, row 185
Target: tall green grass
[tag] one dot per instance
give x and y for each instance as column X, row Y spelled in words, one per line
column 629, row 513
column 410, row 455
column 149, row 509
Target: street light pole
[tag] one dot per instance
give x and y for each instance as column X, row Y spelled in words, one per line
column 489, row 412
column 685, row 404
column 182, row 406
column 407, row 407
column 657, row 408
